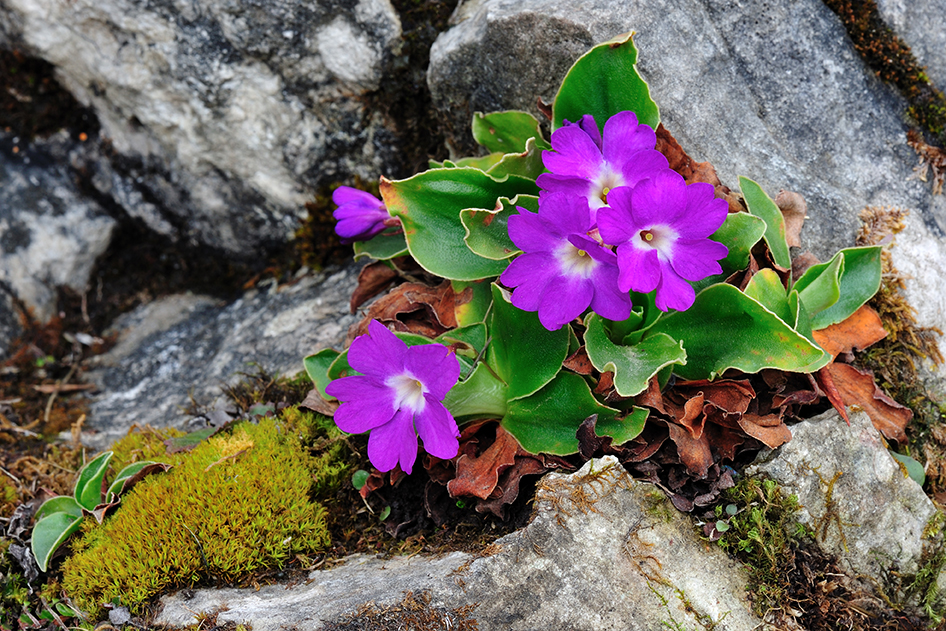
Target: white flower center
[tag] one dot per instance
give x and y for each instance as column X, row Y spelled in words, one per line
column 408, row 392
column 661, row 238
column 575, row 262
column 607, row 180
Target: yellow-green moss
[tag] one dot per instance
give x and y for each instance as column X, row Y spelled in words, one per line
column 239, row 502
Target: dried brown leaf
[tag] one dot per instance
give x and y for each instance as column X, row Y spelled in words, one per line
column 857, row 387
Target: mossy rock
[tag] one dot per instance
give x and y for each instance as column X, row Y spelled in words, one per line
column 241, row 501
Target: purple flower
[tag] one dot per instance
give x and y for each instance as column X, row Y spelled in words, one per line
column 360, row 215
column 562, row 271
column 660, row 228
column 583, row 164
column 397, row 396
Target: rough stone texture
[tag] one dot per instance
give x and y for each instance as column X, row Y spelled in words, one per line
column 50, row 234
column 920, row 24
column 9, row 323
column 771, row 90
column 602, row 552
column 189, row 346
column 222, row 114
column 877, row 514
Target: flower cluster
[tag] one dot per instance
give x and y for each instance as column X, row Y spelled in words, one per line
column 613, row 190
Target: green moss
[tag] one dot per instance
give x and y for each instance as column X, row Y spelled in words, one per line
column 239, row 502
column 760, row 535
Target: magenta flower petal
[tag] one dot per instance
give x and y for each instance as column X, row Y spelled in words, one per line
column 437, row 429
column 609, row 301
column 660, row 199
column 642, row 165
column 368, row 404
column 639, row 269
column 379, row 353
column 551, row 183
column 360, row 215
column 674, row 292
column 705, row 214
column 695, row 259
column 438, row 366
column 394, row 443
column 398, row 386
column 615, row 222
column 564, row 302
column 576, row 153
column 529, row 277
column 527, row 231
column 623, row 137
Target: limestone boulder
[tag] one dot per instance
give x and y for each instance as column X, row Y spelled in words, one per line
column 221, row 117
column 774, row 91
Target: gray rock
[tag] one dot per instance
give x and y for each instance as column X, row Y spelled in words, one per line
column 50, row 234
column 188, row 347
column 602, row 552
column 919, row 23
column 773, row 91
column 858, row 500
column 221, row 116
column 10, row 326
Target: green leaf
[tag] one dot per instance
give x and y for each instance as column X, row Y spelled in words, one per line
column 527, row 164
column 131, row 474
column 547, row 421
column 51, row 532
column 505, row 132
column 190, row 440
column 623, row 429
column 740, row 232
column 487, row 232
column 387, row 245
column 603, row 82
column 385, row 513
column 481, row 395
column 727, row 329
column 88, row 491
column 359, row 478
column 523, row 353
column 59, row 504
column 633, row 366
column 913, row 468
column 820, row 285
column 429, row 206
column 468, row 342
column 316, row 366
column 483, row 163
column 476, row 309
column 761, row 205
column 766, row 288
column 859, row 281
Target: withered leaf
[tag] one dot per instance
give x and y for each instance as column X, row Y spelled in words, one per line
column 860, row 330
column 768, row 429
column 802, row 262
column 825, row 381
column 857, row 387
column 694, row 453
column 415, row 308
column 578, row 362
column 479, row 475
column 372, row 280
column 794, row 209
column 507, row 488
column 314, row 401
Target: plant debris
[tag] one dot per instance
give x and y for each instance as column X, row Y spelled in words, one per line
column 411, row 612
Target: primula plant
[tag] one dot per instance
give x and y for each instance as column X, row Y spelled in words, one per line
column 596, row 291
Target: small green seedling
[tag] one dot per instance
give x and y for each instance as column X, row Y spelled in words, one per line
column 61, row 516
